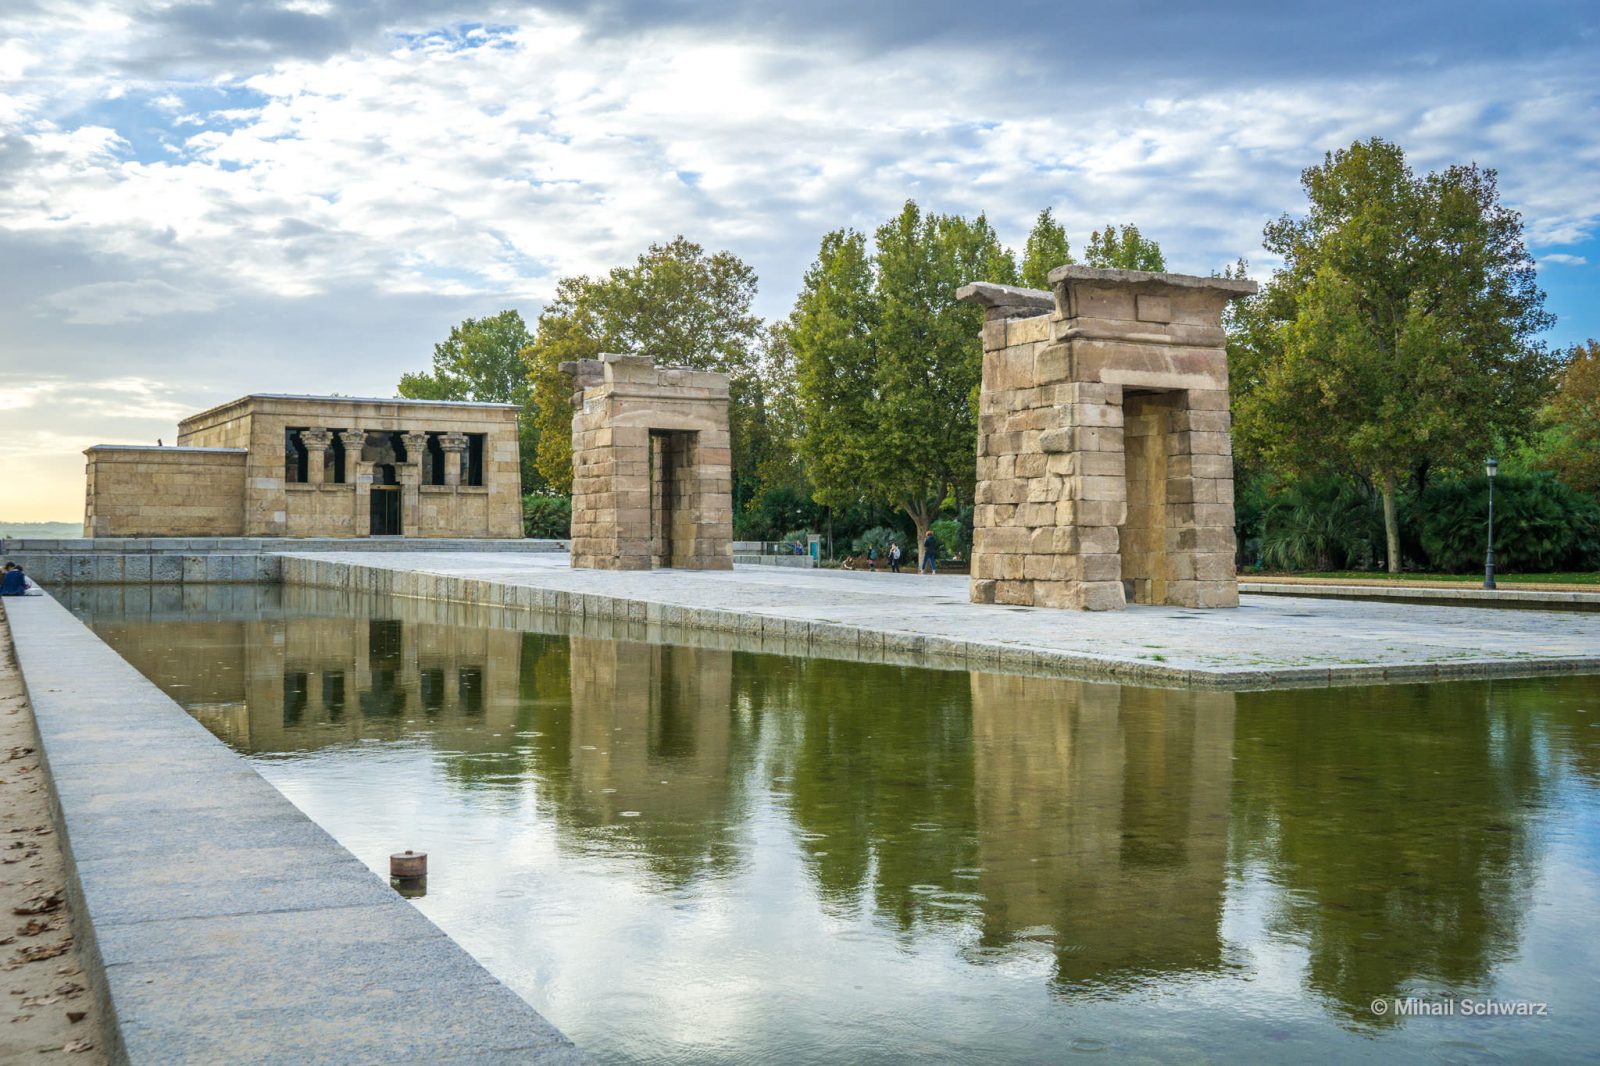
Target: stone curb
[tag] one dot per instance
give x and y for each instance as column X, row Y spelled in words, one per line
column 1538, row 599
column 218, row 922
column 801, row 637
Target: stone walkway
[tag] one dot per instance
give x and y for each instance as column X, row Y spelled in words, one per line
column 1268, row 640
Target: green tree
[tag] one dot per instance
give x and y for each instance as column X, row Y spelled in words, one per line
column 675, row 304
column 1400, row 333
column 1124, row 249
column 1047, row 248
column 830, row 333
column 888, row 361
column 480, row 361
column 1572, row 421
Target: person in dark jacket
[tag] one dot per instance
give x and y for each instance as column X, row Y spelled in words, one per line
column 13, row 582
column 930, row 554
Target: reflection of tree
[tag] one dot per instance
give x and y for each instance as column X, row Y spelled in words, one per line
column 881, row 764
column 1392, row 818
column 649, row 730
column 1103, row 821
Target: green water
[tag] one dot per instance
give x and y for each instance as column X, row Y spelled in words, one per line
column 702, row 855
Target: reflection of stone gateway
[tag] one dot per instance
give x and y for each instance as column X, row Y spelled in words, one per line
column 1105, row 471
column 652, row 481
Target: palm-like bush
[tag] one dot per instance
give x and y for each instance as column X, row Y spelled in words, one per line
column 1323, row 523
column 878, row 537
column 1539, row 524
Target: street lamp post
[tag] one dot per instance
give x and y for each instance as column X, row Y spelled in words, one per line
column 1490, row 468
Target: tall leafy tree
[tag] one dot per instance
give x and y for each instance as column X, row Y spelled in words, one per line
column 1400, row 333
column 480, row 361
column 1124, row 249
column 676, row 304
column 830, row 332
column 889, row 361
column 1573, row 420
column 1047, row 248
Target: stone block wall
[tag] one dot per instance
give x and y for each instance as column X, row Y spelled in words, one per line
column 320, row 506
column 179, row 492
column 652, row 477
column 1105, row 468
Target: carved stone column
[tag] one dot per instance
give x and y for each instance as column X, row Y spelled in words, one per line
column 409, row 474
column 317, row 441
column 358, row 474
column 454, row 445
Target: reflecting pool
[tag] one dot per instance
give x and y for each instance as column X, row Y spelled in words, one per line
column 705, row 854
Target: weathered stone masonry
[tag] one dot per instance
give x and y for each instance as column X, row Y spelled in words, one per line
column 652, row 479
column 316, row 466
column 1105, row 469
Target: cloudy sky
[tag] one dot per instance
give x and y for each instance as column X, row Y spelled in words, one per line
column 203, row 199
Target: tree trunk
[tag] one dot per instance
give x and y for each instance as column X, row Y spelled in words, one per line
column 921, row 517
column 1391, row 523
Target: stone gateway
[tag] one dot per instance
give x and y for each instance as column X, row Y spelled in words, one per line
column 652, row 476
column 316, row 466
column 1105, row 469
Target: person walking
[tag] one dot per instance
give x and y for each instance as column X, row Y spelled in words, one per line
column 872, row 559
column 930, row 554
column 894, row 557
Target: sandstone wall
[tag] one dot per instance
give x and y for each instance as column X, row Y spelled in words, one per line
column 164, row 492
column 623, row 515
column 1104, row 467
column 321, row 507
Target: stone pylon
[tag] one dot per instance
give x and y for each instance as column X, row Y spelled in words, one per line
column 1105, row 469
column 652, row 480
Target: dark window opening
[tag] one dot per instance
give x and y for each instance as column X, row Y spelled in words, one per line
column 333, row 461
column 295, row 457
column 333, row 694
column 431, row 684
column 472, row 460
column 397, row 445
column 295, row 696
column 433, row 462
column 469, row 686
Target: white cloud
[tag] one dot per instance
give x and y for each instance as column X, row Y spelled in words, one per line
column 444, row 172
column 1563, row 259
column 113, row 302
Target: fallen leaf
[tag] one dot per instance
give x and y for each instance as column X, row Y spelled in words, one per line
column 40, row 952
column 41, row 904
column 35, row 927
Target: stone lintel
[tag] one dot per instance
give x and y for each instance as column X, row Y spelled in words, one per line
column 1146, row 280
column 1007, row 301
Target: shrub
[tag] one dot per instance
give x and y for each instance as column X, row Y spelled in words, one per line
column 545, row 516
column 947, row 531
column 1323, row 523
column 878, row 537
column 1539, row 524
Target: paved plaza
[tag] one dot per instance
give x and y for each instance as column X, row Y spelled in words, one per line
column 1266, row 640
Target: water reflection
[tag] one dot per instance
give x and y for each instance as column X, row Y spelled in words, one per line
column 880, row 858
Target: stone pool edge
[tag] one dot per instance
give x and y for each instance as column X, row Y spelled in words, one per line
column 218, row 922
column 838, row 640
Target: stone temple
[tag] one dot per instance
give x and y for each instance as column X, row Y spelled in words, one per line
column 1105, row 468
column 316, row 466
column 652, row 476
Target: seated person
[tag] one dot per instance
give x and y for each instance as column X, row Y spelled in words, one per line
column 12, row 581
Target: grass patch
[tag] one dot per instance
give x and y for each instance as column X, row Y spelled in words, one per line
column 1581, row 578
